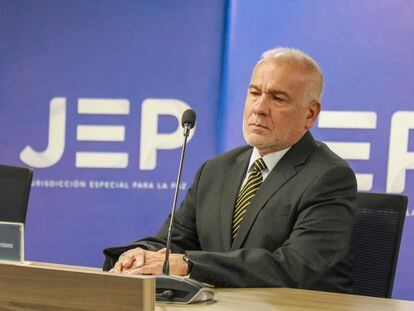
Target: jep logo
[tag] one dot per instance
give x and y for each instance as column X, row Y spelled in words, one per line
column 150, row 141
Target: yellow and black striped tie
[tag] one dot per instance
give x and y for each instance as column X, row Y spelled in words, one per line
column 254, row 181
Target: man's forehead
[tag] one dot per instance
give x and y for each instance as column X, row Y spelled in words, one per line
column 280, row 70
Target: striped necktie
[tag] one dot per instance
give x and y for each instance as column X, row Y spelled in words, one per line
column 247, row 193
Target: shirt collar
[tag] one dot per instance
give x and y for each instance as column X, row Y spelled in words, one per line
column 271, row 159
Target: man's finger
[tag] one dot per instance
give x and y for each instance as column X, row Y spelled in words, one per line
column 162, row 250
column 116, row 268
column 152, row 269
column 139, row 259
column 126, row 261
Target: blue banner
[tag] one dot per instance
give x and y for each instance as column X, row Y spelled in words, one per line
column 365, row 50
column 91, row 93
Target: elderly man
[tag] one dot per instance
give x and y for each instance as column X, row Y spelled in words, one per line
column 276, row 213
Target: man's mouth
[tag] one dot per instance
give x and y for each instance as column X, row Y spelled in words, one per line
column 258, row 125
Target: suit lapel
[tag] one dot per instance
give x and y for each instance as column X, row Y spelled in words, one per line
column 283, row 171
column 233, row 177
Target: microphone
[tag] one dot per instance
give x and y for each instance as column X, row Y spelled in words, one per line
column 188, row 121
column 177, row 289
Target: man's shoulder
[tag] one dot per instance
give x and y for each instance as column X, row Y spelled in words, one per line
column 313, row 154
column 326, row 157
column 323, row 169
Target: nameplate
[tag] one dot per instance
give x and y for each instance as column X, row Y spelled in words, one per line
column 11, row 241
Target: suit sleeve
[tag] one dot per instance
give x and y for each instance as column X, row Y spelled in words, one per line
column 320, row 239
column 184, row 231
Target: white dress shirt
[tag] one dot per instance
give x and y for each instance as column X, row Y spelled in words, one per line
column 270, row 159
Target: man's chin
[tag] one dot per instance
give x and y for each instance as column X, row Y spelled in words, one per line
column 263, row 144
column 258, row 143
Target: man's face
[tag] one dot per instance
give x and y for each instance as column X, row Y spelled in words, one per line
column 276, row 112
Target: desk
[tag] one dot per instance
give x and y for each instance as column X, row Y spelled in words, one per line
column 229, row 299
column 287, row 299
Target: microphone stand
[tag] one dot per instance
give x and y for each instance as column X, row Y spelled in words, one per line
column 171, row 288
column 166, row 266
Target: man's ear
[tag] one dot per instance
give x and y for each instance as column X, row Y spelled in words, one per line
column 312, row 113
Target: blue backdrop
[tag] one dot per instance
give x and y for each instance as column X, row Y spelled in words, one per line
column 118, row 54
column 365, row 50
column 90, row 93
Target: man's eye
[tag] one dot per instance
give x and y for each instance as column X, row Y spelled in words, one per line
column 279, row 99
column 255, row 93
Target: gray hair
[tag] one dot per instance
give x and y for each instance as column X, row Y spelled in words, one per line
column 290, row 55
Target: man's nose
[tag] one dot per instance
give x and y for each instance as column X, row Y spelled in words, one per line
column 261, row 106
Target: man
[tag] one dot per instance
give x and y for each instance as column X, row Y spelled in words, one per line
column 279, row 214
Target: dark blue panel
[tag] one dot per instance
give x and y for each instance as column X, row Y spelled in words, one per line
column 131, row 50
column 365, row 49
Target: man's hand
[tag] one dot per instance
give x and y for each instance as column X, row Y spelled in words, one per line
column 140, row 261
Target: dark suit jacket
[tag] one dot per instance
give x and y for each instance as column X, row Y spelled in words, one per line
column 295, row 233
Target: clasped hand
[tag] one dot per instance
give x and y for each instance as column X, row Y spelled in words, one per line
column 140, row 261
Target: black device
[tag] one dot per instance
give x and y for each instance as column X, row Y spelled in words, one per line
column 177, row 289
column 15, row 184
